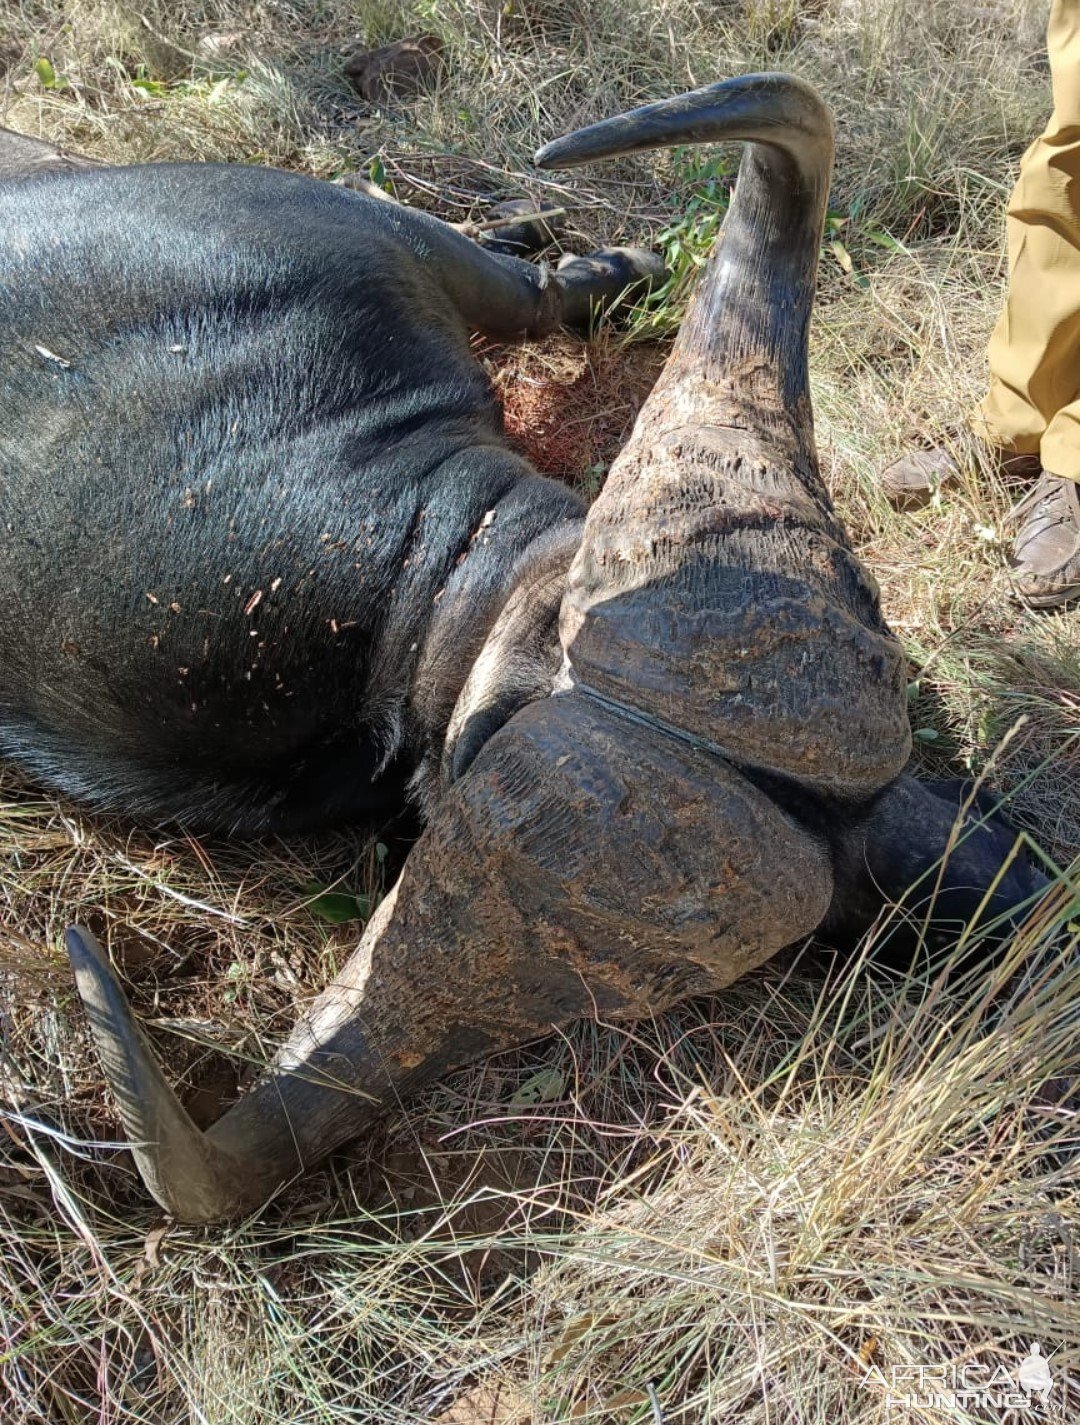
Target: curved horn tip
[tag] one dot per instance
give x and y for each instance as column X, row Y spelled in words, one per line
column 82, row 947
column 187, row 1175
column 95, row 979
column 772, row 107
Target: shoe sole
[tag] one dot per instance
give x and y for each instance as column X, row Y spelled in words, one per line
column 1050, row 601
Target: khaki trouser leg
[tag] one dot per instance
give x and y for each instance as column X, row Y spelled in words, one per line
column 1033, row 404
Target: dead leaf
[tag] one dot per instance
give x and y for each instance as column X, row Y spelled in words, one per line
column 576, row 1330
column 488, row 1405
column 152, row 1245
column 843, row 257
column 397, row 70
column 621, row 1400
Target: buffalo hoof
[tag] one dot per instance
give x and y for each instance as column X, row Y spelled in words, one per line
column 601, row 280
column 538, row 226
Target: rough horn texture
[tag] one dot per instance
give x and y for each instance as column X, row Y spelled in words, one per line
column 583, row 865
column 715, row 587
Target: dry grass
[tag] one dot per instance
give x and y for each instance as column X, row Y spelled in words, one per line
column 728, row 1214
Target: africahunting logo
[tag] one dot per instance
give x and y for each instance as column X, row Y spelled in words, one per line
column 971, row 1385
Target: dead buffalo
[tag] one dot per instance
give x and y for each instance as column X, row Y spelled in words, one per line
column 268, row 563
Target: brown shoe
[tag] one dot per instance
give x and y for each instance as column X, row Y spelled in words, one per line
column 914, row 479
column 1046, row 554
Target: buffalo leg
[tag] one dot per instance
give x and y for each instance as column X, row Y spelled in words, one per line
column 507, row 297
column 501, row 295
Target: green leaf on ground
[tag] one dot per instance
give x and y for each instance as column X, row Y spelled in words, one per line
column 336, row 907
column 543, row 1087
column 47, row 75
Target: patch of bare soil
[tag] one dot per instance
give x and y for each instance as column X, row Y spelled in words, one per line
column 569, row 405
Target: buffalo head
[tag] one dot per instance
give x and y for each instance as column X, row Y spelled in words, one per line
column 718, row 770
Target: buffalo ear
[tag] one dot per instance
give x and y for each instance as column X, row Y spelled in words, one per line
column 939, row 852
